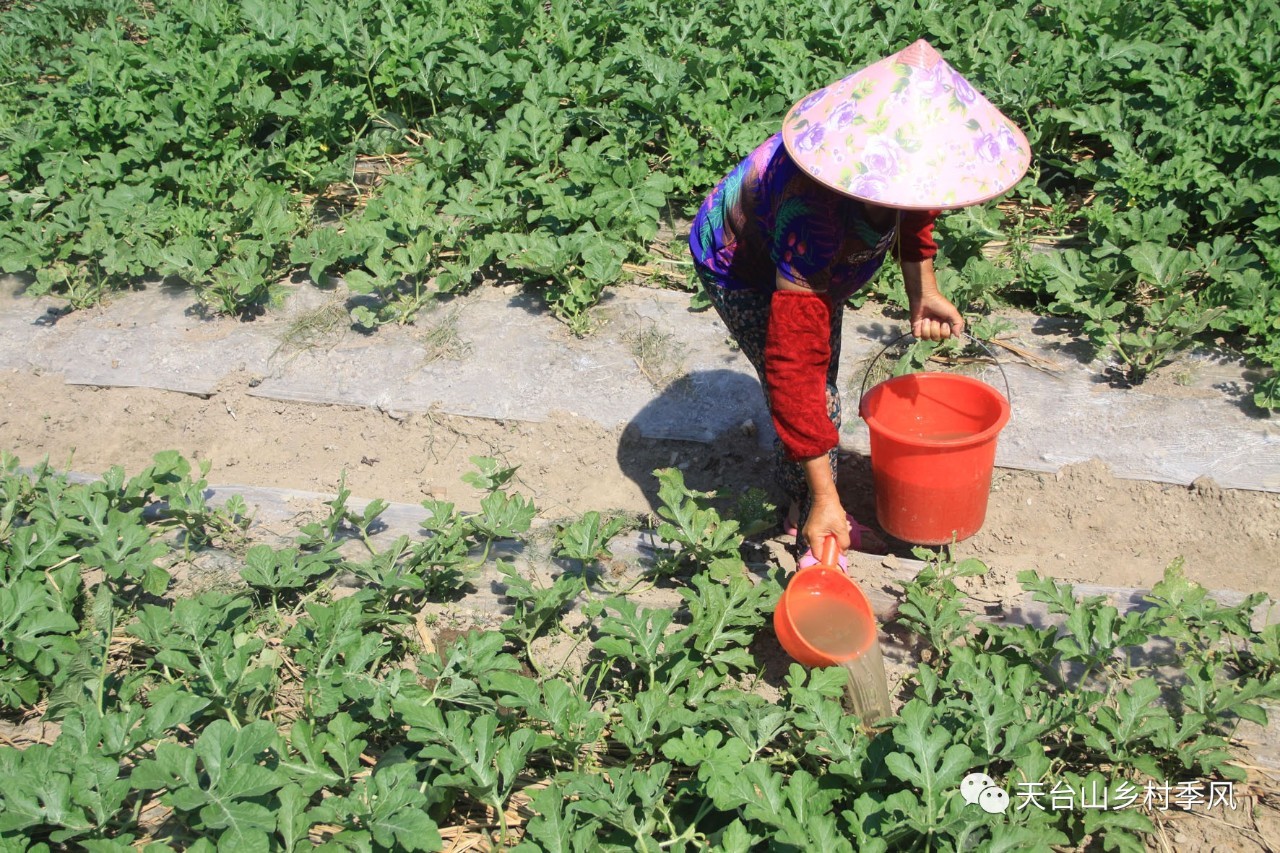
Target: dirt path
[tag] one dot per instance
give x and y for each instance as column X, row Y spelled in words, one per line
column 1081, row 525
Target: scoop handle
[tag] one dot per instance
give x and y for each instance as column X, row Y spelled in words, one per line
column 830, row 555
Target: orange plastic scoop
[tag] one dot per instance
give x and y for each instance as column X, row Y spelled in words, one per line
column 823, row 618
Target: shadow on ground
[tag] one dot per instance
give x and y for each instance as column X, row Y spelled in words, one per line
column 680, row 428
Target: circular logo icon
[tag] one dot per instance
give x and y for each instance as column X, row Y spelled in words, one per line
column 980, row 789
column 993, row 801
column 973, row 785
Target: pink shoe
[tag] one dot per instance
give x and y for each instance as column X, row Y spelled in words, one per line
column 810, row 560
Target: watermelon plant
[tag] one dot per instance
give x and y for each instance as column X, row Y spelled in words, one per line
column 289, row 709
column 555, row 143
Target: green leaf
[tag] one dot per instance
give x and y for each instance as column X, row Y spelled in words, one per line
column 587, row 539
column 560, row 825
column 1124, row 829
column 293, row 818
column 220, row 781
column 927, row 759
column 479, row 759
column 709, row 753
column 502, row 516
column 535, row 609
column 306, row 762
column 394, row 808
column 277, row 570
column 338, row 653
column 735, row 838
column 634, row 634
column 38, row 792
column 490, row 475
column 1164, row 267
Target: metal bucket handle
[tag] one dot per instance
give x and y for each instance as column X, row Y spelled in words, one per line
column 1008, row 393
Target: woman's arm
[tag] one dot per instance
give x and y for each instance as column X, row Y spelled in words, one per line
column 933, row 317
column 826, row 516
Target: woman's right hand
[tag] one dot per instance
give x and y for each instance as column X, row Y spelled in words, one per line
column 826, row 518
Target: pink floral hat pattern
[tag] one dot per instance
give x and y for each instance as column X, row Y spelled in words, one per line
column 907, row 132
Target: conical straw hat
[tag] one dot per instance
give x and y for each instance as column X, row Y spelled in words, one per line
column 907, row 132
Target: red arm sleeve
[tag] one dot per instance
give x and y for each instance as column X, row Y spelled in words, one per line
column 797, row 355
column 915, row 238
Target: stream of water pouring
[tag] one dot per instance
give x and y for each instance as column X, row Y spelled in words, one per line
column 868, row 688
column 825, row 625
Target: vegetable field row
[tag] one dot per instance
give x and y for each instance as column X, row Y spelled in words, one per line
column 219, row 142
column 285, row 707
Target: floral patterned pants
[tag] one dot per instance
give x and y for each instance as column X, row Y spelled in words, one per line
column 746, row 313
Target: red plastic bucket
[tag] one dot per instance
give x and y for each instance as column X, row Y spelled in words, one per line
column 933, row 448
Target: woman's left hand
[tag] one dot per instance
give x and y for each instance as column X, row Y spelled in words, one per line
column 934, row 318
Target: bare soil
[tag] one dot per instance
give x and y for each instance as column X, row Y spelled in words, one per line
column 1080, row 524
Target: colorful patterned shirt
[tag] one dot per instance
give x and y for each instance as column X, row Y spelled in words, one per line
column 768, row 217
